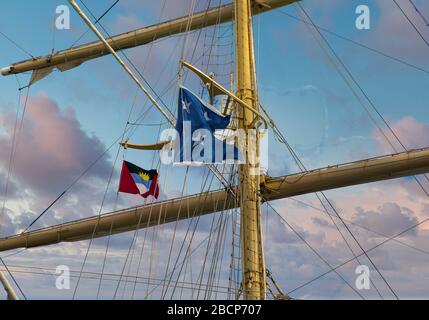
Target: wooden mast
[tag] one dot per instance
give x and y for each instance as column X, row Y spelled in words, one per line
column 253, row 267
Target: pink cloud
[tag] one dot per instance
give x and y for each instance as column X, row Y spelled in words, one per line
column 412, row 133
column 53, row 149
column 389, row 219
column 392, row 33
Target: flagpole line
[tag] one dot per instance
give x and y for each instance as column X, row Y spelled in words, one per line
column 120, row 61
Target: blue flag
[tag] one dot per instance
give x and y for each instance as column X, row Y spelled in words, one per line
column 197, row 123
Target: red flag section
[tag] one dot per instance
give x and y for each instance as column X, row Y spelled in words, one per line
column 135, row 180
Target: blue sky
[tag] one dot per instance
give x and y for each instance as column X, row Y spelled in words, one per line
column 301, row 89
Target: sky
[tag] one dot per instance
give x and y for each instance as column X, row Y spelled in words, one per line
column 72, row 117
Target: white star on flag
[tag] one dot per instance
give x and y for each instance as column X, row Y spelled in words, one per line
column 185, row 106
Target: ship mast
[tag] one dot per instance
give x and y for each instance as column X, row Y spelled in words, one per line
column 251, row 194
column 253, row 266
column 11, row 295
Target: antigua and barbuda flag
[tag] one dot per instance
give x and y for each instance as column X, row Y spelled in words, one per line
column 195, row 114
column 136, row 180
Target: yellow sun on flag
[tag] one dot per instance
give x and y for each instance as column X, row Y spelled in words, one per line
column 144, row 176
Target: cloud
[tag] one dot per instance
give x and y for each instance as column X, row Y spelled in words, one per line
column 412, row 133
column 392, row 33
column 52, row 150
column 6, row 224
column 281, row 234
column 388, row 207
column 390, row 219
column 398, row 35
column 13, row 190
column 290, row 260
column 322, row 222
column 12, row 223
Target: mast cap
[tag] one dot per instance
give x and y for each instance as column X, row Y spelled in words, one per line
column 6, row 70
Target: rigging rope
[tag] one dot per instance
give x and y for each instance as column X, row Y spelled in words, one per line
column 138, row 71
column 130, row 62
column 14, row 146
column 412, row 23
column 96, row 22
column 335, row 216
column 188, row 27
column 192, row 7
column 175, row 225
column 104, row 261
column 363, row 93
column 301, row 165
column 384, row 54
column 16, row 44
column 163, row 294
column 99, row 217
column 222, row 254
column 146, row 231
column 201, row 275
column 99, row 157
column 354, row 238
column 206, row 65
column 367, row 98
column 303, row 169
column 212, row 168
column 361, row 254
column 13, row 278
column 117, row 194
column 188, row 250
column 315, row 251
column 147, row 226
column 217, row 256
column 127, row 124
column 85, row 171
column 133, row 243
column 361, row 226
column 425, row 20
column 95, row 276
column 179, row 264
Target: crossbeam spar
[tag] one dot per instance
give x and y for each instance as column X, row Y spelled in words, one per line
column 354, row 173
